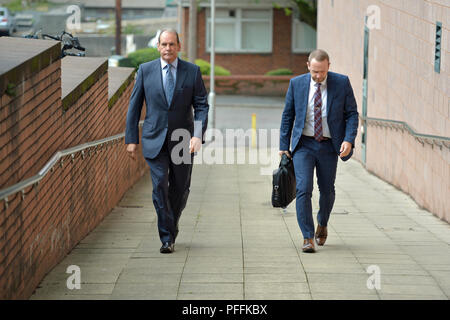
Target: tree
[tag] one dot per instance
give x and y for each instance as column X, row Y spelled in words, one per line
column 306, row 11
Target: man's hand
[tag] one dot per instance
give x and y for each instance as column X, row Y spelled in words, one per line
column 131, row 150
column 346, row 147
column 195, row 144
column 285, row 152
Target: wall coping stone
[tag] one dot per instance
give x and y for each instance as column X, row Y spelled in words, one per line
column 78, row 74
column 118, row 80
column 21, row 58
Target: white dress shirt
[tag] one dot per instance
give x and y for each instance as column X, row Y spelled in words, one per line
column 309, row 121
column 173, row 70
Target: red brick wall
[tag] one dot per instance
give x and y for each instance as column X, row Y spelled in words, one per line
column 243, row 63
column 25, row 142
column 38, row 231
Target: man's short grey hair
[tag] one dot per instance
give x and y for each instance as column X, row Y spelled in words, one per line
column 168, row 30
column 319, row 54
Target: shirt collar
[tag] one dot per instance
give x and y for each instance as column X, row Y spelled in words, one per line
column 164, row 63
column 323, row 83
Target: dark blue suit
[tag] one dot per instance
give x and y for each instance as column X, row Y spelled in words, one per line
column 342, row 120
column 170, row 179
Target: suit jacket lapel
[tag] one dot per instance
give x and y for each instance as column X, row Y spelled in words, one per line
column 305, row 89
column 330, row 92
column 181, row 75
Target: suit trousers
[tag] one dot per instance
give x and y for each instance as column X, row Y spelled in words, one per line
column 171, row 184
column 309, row 155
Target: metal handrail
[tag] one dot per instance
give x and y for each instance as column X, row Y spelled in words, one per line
column 438, row 140
column 34, row 180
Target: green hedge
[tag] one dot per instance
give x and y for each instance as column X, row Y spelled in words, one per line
column 280, row 72
column 205, row 68
column 142, row 55
column 138, row 57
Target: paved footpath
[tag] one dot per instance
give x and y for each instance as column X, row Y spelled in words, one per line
column 234, row 245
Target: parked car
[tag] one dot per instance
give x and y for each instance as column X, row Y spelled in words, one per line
column 7, row 21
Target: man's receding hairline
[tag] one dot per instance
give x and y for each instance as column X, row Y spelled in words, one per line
column 319, row 55
column 169, row 30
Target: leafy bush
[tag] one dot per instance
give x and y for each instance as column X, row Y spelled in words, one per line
column 132, row 29
column 280, row 72
column 142, row 55
column 125, row 62
column 18, row 5
column 205, row 68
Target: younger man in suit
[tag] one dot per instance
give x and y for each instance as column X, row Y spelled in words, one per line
column 321, row 116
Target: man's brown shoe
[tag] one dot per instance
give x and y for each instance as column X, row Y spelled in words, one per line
column 321, row 235
column 308, row 246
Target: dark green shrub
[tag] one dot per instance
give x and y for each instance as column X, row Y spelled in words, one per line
column 126, row 62
column 143, row 55
column 205, row 68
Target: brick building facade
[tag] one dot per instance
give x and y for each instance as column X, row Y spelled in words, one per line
column 285, row 46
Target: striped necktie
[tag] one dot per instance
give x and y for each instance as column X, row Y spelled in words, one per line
column 318, row 134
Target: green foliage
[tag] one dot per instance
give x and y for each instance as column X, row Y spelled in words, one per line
column 142, row 55
column 126, row 62
column 132, row 29
column 14, row 6
column 205, row 68
column 280, row 72
column 38, row 5
column 11, row 89
column 287, row 11
column 307, row 10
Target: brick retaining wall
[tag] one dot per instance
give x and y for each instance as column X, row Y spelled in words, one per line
column 39, row 228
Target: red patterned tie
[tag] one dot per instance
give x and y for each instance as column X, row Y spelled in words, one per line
column 318, row 135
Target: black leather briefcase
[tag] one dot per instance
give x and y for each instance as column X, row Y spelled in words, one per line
column 283, row 183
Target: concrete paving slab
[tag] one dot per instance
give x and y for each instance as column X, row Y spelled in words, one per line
column 277, row 287
column 277, row 296
column 344, row 296
column 211, row 269
column 411, row 297
column 143, row 275
column 59, row 296
column 210, row 287
column 278, row 278
column 210, row 296
column 213, row 278
column 85, row 289
column 147, row 291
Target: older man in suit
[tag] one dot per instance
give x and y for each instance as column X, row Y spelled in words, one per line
column 321, row 117
column 172, row 89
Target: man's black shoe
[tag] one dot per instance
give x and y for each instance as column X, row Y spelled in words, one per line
column 167, row 247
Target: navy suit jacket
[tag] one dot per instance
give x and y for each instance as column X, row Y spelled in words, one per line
column 160, row 118
column 342, row 112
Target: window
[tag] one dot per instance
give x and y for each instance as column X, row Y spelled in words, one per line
column 241, row 30
column 303, row 37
